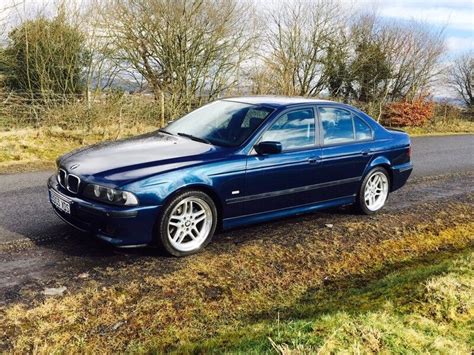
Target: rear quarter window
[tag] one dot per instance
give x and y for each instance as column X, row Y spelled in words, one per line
column 362, row 129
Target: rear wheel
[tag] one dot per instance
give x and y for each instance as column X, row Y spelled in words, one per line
column 374, row 191
column 187, row 223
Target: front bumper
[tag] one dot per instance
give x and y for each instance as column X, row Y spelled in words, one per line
column 120, row 226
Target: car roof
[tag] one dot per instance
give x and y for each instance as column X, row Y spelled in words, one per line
column 275, row 101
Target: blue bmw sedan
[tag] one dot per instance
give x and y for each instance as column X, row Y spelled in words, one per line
column 232, row 162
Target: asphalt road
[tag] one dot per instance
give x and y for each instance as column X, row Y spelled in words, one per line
column 25, row 212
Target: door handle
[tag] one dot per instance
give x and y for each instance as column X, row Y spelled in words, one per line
column 313, row 160
column 366, row 152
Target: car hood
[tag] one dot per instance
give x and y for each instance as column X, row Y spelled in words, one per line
column 123, row 161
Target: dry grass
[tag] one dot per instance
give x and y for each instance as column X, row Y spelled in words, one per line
column 31, row 149
column 36, row 149
column 67, row 127
column 220, row 290
column 440, row 127
column 33, row 135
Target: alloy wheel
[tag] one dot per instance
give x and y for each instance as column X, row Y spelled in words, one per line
column 189, row 224
column 376, row 191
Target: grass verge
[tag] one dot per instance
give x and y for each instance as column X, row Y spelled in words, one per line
column 297, row 272
column 37, row 149
column 440, row 128
column 423, row 306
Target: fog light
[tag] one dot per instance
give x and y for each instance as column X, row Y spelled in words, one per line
column 110, row 229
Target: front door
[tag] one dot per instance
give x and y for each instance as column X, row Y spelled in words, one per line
column 283, row 180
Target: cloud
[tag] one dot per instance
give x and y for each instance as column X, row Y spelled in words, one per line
column 453, row 15
column 460, row 43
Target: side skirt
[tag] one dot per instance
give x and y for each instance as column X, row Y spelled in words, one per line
column 286, row 212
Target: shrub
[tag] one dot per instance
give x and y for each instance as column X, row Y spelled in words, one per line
column 404, row 113
column 44, row 58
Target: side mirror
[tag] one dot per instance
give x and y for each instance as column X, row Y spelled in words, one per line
column 268, row 147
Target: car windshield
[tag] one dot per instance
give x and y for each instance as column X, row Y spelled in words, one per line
column 223, row 123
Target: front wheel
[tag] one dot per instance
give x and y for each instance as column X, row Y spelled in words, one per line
column 187, row 223
column 374, row 191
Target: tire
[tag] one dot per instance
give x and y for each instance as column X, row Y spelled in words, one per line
column 374, row 191
column 187, row 223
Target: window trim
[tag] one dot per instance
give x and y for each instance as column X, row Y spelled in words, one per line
column 354, row 141
column 316, row 143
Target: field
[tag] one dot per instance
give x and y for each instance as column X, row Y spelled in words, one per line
column 31, row 149
column 398, row 282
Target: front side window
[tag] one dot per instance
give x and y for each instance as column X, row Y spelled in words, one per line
column 337, row 125
column 223, row 122
column 295, row 129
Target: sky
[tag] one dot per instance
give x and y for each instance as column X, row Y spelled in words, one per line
column 456, row 17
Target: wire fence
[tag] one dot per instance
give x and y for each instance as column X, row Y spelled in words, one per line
column 90, row 110
column 78, row 111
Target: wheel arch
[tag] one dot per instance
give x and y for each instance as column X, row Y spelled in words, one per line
column 381, row 162
column 208, row 190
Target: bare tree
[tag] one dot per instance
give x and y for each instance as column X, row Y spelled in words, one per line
column 189, row 50
column 414, row 52
column 299, row 36
column 461, row 78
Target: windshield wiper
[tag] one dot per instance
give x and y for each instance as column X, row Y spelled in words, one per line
column 194, row 138
column 165, row 131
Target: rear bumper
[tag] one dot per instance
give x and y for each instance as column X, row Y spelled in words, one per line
column 400, row 174
column 120, row 226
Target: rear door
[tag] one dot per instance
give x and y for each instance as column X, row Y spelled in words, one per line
column 347, row 142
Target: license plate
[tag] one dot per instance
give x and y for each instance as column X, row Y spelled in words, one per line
column 60, row 202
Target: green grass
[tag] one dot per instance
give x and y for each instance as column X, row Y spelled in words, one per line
column 425, row 306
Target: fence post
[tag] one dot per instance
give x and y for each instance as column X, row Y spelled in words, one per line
column 162, row 109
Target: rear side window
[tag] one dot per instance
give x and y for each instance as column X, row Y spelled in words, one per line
column 293, row 130
column 341, row 126
column 337, row 125
column 362, row 129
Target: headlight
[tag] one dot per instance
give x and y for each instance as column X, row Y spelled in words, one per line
column 112, row 196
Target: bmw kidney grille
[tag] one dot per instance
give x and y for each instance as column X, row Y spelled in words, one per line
column 70, row 182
